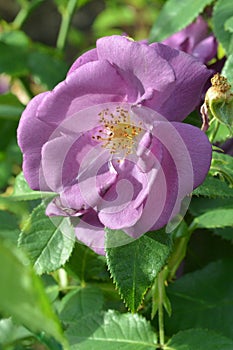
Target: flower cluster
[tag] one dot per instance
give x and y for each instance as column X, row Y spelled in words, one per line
column 110, row 142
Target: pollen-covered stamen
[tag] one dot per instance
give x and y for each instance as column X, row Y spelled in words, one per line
column 117, row 132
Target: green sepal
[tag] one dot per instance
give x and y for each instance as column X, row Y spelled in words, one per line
column 222, row 110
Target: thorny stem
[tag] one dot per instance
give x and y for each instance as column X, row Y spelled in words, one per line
column 66, row 14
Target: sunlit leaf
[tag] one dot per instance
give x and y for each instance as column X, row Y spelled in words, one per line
column 48, row 242
column 214, row 188
column 22, row 191
column 134, row 266
column 215, row 219
column 176, row 15
column 223, row 12
column 111, row 330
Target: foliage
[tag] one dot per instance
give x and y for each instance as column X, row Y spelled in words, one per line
column 58, row 294
column 175, row 16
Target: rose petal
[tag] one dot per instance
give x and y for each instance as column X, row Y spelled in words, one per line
column 191, row 77
column 57, row 208
column 185, row 163
column 160, row 202
column 206, row 49
column 92, row 84
column 91, row 232
column 123, row 203
column 187, row 38
column 32, row 133
column 137, row 60
column 199, row 148
column 124, row 218
column 88, row 56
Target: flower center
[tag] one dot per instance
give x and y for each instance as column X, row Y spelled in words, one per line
column 119, row 132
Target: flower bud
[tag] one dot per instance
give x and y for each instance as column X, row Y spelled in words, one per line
column 218, row 103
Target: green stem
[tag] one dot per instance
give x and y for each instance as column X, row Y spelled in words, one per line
column 66, row 14
column 179, row 252
column 20, row 18
column 159, row 297
column 160, row 308
column 24, row 12
column 212, row 137
column 177, row 256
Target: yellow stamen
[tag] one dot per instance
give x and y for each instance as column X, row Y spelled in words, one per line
column 119, row 131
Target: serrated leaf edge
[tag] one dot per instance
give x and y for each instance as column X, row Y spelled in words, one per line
column 21, row 235
column 120, row 291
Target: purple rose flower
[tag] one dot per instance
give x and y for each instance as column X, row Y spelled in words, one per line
column 109, row 139
column 194, row 40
